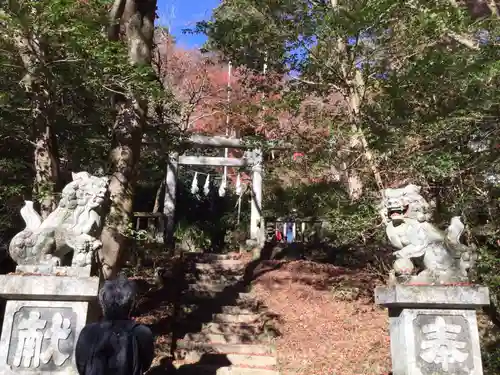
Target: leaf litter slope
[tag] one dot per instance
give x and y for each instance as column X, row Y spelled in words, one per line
column 325, row 331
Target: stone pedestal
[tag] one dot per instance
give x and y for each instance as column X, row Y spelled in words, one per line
column 434, row 328
column 44, row 314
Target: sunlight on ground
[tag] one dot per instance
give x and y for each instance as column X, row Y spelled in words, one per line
column 322, row 335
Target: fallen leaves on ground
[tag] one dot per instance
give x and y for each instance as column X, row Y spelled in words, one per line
column 320, row 334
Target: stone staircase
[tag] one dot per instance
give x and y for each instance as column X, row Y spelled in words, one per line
column 220, row 328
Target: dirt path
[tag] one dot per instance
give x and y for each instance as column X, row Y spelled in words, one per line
column 328, row 324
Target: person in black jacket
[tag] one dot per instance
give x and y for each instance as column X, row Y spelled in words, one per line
column 117, row 345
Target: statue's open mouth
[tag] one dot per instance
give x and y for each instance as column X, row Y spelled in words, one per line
column 397, row 212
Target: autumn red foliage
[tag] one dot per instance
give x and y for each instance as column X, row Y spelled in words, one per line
column 252, row 105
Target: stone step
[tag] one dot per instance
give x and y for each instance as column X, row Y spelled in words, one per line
column 261, row 361
column 207, row 257
column 207, row 277
column 216, row 290
column 212, row 270
column 199, row 321
column 228, row 263
column 207, row 287
column 232, row 328
column 208, row 297
column 213, row 288
column 196, row 310
column 233, row 338
column 241, row 310
column 216, row 370
column 233, row 265
column 213, row 279
column 236, row 318
column 195, row 348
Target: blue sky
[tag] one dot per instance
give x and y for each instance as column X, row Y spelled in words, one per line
column 177, row 15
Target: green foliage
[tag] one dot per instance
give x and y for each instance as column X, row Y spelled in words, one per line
column 191, row 237
column 80, row 70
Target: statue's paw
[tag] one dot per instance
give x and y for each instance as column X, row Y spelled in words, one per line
column 78, row 260
column 51, row 260
column 403, row 266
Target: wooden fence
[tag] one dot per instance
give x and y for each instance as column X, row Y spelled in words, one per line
column 150, row 223
column 302, row 229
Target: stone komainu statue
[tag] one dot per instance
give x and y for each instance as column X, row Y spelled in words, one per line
column 72, row 227
column 445, row 259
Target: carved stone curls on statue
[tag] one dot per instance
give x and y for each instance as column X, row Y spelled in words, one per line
column 445, row 259
column 73, row 226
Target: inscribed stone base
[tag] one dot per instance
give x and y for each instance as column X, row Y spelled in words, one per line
column 40, row 337
column 44, row 315
column 434, row 328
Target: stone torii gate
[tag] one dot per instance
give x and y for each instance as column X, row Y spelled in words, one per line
column 252, row 158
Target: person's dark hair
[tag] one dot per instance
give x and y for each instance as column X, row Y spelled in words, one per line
column 117, row 298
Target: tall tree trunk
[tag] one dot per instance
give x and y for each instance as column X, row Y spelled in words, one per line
column 134, row 20
column 358, row 144
column 358, row 140
column 47, row 170
column 36, row 82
